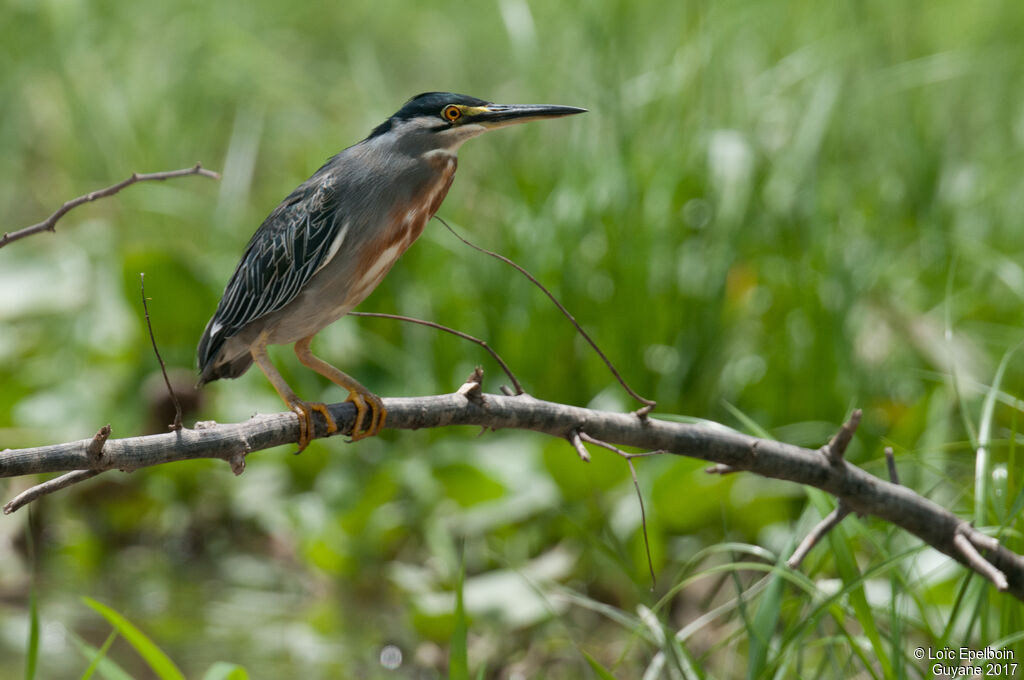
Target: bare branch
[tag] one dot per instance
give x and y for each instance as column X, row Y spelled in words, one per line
column 446, row 329
column 648, row 404
column 979, row 563
column 836, row 448
column 176, row 425
column 50, row 223
column 816, row 534
column 858, row 490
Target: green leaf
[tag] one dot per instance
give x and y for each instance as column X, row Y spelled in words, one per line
column 983, row 462
column 153, row 655
column 458, row 659
column 32, row 658
column 596, row 666
column 106, row 666
column 226, row 671
column 762, row 628
column 846, row 564
column 752, row 425
column 99, row 656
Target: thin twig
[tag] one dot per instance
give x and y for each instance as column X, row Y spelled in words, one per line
column 577, row 443
column 50, row 223
column 636, row 485
column 643, row 521
column 95, row 450
column 818, row 533
column 890, row 461
column 446, row 329
column 979, row 563
column 836, row 448
column 55, row 484
column 648, row 404
column 176, row 425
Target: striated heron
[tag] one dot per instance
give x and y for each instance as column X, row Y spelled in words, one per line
column 332, row 240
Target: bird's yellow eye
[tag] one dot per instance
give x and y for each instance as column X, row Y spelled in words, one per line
column 451, row 113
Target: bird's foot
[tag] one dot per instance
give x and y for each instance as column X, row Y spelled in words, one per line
column 367, row 401
column 304, row 410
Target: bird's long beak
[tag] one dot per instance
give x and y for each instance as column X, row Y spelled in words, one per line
column 498, row 115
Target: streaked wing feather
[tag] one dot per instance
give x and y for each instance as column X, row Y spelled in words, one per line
column 287, row 249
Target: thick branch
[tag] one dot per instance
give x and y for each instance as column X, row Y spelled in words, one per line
column 50, row 222
column 856, row 489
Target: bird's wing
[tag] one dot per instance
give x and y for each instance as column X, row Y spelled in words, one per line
column 288, row 248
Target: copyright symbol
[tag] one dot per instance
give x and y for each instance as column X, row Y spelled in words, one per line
column 919, row 653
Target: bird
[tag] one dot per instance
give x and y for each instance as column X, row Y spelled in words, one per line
column 332, row 240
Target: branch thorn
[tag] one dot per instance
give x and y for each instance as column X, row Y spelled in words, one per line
column 471, row 388
column 95, row 450
column 890, row 461
column 836, row 448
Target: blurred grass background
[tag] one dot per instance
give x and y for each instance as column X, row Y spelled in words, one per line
column 773, row 213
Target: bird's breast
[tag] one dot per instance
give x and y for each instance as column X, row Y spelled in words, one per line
column 403, row 224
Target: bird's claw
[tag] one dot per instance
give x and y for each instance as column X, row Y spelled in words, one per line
column 367, row 401
column 304, row 410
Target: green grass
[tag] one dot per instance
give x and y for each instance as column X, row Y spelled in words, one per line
column 773, row 213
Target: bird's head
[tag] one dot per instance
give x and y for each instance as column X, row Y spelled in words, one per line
column 442, row 120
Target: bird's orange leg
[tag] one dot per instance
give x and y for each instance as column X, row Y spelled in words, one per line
column 363, row 399
column 303, row 409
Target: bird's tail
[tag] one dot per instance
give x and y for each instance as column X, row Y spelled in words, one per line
column 213, row 364
column 226, row 369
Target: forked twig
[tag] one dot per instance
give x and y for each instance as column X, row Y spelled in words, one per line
column 446, row 329
column 49, row 224
column 648, row 404
column 176, row 425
